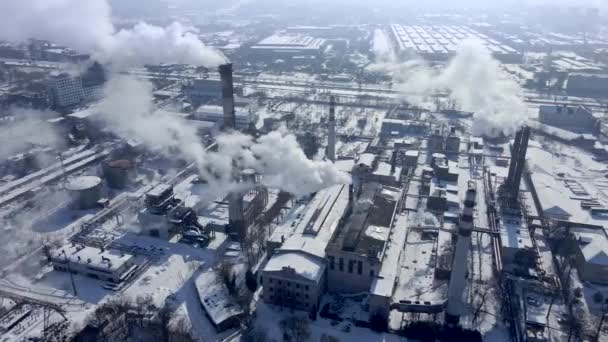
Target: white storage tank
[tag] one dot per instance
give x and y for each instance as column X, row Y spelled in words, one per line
column 85, row 191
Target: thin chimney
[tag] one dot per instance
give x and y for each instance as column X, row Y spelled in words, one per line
column 331, row 137
column 227, row 96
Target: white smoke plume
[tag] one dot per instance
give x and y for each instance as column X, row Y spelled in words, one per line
column 87, row 27
column 473, row 78
column 26, row 128
column 128, row 110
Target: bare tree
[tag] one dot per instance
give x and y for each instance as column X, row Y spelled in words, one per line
column 296, row 328
column 255, row 335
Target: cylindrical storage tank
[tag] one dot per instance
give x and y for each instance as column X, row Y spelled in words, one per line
column 117, row 172
column 249, row 176
column 85, row 191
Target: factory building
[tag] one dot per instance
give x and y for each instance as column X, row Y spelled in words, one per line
column 355, row 252
column 111, row 266
column 244, row 118
column 201, row 89
column 589, row 84
column 441, row 42
column 288, row 48
column 398, row 127
column 295, row 275
column 578, row 119
column 165, row 216
column 591, row 254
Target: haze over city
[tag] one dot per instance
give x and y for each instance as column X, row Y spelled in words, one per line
column 265, row 170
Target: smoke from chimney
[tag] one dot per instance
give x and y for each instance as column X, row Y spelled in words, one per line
column 87, row 27
column 473, row 78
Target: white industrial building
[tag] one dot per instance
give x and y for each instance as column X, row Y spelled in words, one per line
column 295, row 274
column 211, row 113
column 112, row 266
column 356, row 251
column 288, row 46
column 440, row 42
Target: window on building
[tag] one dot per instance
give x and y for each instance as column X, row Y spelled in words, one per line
column 288, row 284
column 270, row 280
column 280, row 282
column 306, row 296
column 306, row 287
column 359, row 267
column 270, row 289
column 297, row 286
column 297, row 294
column 332, row 261
column 350, row 266
column 341, row 265
column 371, row 273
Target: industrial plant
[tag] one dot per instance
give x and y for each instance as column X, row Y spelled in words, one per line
column 261, row 171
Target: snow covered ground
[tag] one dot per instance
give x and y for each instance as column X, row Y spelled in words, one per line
column 268, row 317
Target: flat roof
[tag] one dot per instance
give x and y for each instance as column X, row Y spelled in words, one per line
column 514, row 233
column 593, row 244
column 375, row 207
column 306, row 265
column 82, row 183
column 103, row 260
column 315, row 225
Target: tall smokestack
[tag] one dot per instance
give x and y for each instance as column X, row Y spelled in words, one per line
column 331, row 137
column 518, row 163
column 456, row 288
column 227, row 96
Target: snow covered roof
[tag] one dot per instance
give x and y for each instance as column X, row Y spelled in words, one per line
column 366, row 159
column 514, row 233
column 215, row 298
column 315, row 224
column 559, row 202
column 92, row 257
column 593, row 244
column 308, row 266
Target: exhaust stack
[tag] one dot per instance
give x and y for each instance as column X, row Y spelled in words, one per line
column 331, row 137
column 227, row 96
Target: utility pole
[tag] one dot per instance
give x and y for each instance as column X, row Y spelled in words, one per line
column 599, row 327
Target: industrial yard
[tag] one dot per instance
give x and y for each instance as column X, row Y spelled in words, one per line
column 241, row 174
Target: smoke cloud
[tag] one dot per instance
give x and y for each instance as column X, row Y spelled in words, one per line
column 473, row 78
column 128, row 110
column 26, row 130
column 87, row 26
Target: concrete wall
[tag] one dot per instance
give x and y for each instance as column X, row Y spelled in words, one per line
column 342, row 281
column 591, row 272
column 379, row 305
column 291, row 290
